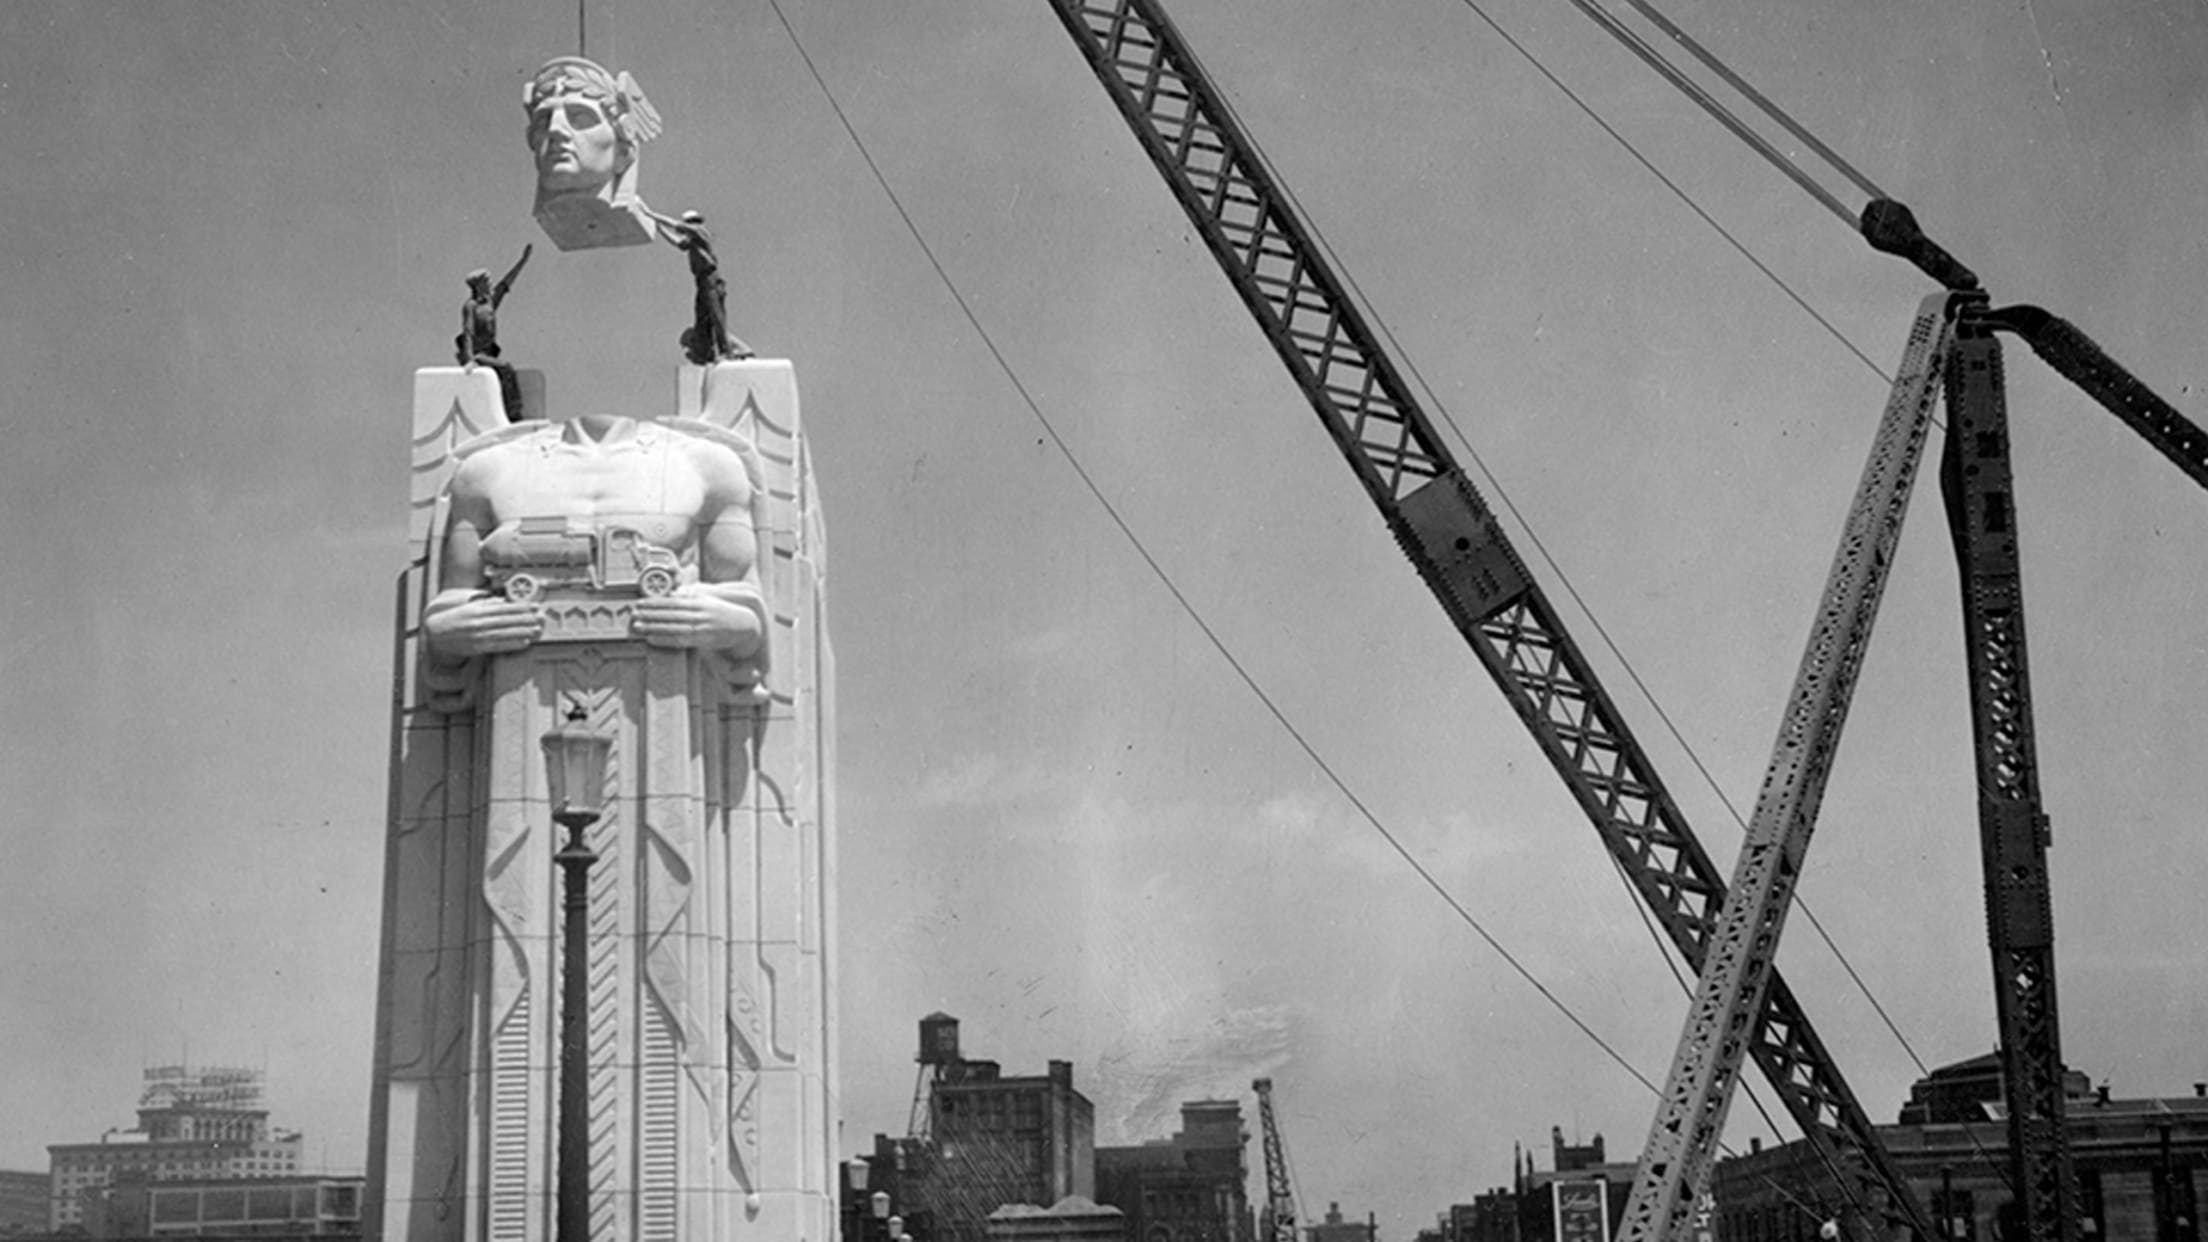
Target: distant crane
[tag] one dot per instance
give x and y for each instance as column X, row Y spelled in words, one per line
column 1280, row 1196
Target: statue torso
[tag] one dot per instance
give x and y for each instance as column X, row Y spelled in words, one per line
column 638, row 477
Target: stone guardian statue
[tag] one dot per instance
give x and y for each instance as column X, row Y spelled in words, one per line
column 664, row 576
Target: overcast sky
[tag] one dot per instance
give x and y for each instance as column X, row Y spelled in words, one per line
column 231, row 232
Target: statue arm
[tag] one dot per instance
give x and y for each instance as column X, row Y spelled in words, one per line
column 463, row 619
column 724, row 609
column 506, row 283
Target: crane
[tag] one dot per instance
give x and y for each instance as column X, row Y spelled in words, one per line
column 2014, row 835
column 1444, row 526
column 1452, row 538
column 1280, row 1196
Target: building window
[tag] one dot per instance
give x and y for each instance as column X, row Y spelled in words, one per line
column 1958, row 1213
column 2183, row 1213
column 173, row 1207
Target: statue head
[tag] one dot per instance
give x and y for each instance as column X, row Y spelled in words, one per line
column 585, row 124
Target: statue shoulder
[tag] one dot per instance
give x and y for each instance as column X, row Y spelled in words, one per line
column 489, row 455
column 721, row 455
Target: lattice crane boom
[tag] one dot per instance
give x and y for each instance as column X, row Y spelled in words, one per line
column 1280, row 1194
column 1452, row 538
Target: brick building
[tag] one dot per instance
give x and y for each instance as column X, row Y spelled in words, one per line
column 1593, row 1189
column 2142, row 1165
column 1192, row 1187
column 272, row 1207
column 988, row 1140
column 1336, row 1229
column 193, row 1124
column 1071, row 1219
column 23, row 1202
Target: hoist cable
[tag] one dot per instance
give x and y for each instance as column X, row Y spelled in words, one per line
column 1723, row 115
column 1738, row 83
column 1677, row 191
column 1632, row 673
column 1886, row 224
column 1187, row 607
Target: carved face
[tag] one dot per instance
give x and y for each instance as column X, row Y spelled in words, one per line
column 577, row 145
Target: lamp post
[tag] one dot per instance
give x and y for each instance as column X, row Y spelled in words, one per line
column 856, row 1175
column 575, row 781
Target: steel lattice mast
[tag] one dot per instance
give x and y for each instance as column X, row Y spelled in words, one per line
column 1452, row 538
column 1280, row 1196
column 2012, row 828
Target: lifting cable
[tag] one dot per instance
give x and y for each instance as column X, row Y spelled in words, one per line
column 1434, row 401
column 1502, row 493
column 1883, row 222
column 1639, row 46
column 1188, row 607
column 1249, row 680
column 1676, row 189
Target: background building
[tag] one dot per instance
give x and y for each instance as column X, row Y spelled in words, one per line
column 982, row 1140
column 1336, row 1229
column 193, row 1124
column 275, row 1207
column 1192, row 1187
column 23, row 1202
column 2142, row 1165
column 1526, row 1210
column 1071, row 1219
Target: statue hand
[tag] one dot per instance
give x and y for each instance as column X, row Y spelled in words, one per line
column 468, row 623
column 699, row 615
